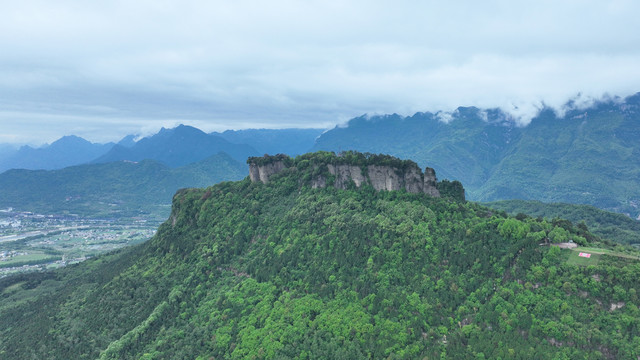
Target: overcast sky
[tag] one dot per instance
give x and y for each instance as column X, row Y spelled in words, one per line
column 104, row 69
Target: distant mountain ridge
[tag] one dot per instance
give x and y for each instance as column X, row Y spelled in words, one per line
column 178, row 147
column 589, row 156
column 119, row 188
column 174, row 147
column 274, row 141
column 66, row 151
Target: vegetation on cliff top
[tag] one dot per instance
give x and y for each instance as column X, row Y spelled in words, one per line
column 312, row 165
column 350, row 157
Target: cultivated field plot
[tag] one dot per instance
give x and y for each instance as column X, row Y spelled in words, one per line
column 585, row 256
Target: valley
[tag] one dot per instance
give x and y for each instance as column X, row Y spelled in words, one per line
column 36, row 242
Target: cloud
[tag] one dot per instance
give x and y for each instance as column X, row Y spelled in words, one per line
column 444, row 117
column 143, row 64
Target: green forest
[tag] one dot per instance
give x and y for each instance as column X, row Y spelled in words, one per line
column 612, row 226
column 244, row 270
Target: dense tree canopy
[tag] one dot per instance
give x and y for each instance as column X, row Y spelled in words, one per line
column 247, row 270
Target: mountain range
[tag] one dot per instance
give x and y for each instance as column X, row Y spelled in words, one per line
column 133, row 177
column 178, row 147
column 66, row 151
column 118, row 188
column 174, row 147
column 274, row 141
column 588, row 156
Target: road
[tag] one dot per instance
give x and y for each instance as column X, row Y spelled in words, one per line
column 16, row 237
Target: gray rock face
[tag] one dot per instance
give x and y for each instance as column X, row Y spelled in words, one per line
column 384, row 178
column 319, row 182
column 346, row 173
column 413, row 181
column 262, row 173
column 430, row 182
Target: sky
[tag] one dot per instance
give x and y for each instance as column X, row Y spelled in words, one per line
column 105, row 69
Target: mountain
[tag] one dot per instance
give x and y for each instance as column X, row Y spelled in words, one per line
column 465, row 149
column 111, row 189
column 588, row 156
column 177, row 147
column 128, row 141
column 66, row 151
column 268, row 141
column 7, row 150
column 613, row 226
column 281, row 269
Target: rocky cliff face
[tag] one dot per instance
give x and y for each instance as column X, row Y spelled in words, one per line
column 430, row 182
column 263, row 172
column 384, row 178
column 333, row 170
column 346, row 173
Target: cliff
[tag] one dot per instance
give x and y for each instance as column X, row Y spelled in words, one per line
column 321, row 169
column 264, row 172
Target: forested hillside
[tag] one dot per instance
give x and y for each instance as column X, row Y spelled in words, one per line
column 246, row 270
column 608, row 225
column 587, row 156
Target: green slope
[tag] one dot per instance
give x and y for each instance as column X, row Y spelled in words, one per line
column 280, row 270
column 583, row 158
column 612, row 226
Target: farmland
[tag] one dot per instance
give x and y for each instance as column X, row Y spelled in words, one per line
column 35, row 242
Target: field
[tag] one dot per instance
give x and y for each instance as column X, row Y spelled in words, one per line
column 574, row 257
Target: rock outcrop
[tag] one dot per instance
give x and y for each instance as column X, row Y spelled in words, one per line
column 345, row 173
column 263, row 172
column 327, row 169
column 384, row 178
column 430, row 185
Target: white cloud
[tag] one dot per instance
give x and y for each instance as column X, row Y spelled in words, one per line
column 444, row 117
column 244, row 63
